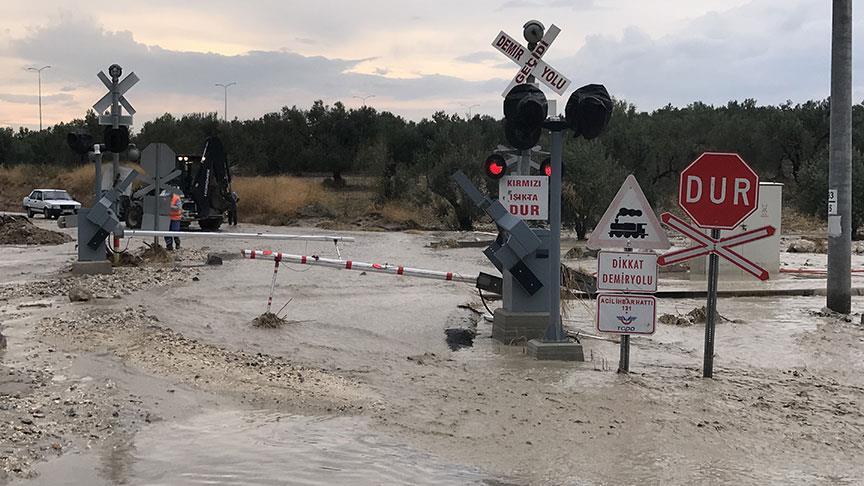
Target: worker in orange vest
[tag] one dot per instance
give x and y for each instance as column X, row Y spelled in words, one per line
column 175, row 212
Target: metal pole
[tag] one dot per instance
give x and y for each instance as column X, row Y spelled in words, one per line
column 273, row 283
column 115, row 123
column 624, row 355
column 39, row 85
column 225, row 88
column 39, row 75
column 711, row 311
column 554, row 331
column 158, row 199
column 840, row 161
column 96, row 158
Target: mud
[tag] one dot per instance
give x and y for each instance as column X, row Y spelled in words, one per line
column 269, row 320
column 18, row 230
column 364, row 379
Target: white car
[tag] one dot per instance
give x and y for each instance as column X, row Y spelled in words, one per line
column 52, row 203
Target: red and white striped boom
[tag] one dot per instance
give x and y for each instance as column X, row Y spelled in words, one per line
column 239, row 236
column 363, row 266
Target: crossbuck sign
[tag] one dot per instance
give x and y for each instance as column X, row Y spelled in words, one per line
column 117, row 90
column 721, row 247
column 530, row 62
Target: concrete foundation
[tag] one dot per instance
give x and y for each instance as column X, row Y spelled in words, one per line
column 511, row 327
column 102, row 267
column 563, row 351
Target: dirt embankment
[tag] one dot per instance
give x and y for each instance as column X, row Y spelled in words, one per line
column 18, row 230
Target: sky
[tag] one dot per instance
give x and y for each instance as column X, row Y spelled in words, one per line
column 409, row 57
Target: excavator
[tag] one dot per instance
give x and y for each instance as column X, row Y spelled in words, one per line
column 205, row 180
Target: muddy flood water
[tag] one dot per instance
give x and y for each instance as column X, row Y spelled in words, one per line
column 162, row 379
column 260, row 448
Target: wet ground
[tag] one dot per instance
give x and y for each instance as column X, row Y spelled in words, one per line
column 360, row 387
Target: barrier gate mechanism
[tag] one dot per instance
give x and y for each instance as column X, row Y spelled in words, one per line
column 96, row 223
column 482, row 281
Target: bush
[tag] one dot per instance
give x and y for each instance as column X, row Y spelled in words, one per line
column 591, row 179
column 812, row 190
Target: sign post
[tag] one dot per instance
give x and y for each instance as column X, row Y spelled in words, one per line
column 718, row 191
column 629, row 222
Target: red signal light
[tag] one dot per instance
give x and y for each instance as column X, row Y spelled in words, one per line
column 495, row 166
column 546, row 167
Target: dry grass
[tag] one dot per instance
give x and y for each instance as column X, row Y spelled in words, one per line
column 17, row 181
column 400, row 213
column 276, row 200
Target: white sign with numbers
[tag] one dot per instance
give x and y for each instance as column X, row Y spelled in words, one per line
column 626, row 313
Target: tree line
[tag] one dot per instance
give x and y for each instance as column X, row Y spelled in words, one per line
column 412, row 160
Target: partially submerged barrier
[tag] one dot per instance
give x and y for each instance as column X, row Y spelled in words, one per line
column 239, row 236
column 482, row 281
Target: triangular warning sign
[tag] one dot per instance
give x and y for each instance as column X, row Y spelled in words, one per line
column 629, row 219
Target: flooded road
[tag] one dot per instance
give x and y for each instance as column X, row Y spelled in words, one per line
column 360, row 387
column 260, row 448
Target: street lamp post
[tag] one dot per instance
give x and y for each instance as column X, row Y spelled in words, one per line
column 475, row 105
column 225, row 87
column 364, row 98
column 38, row 72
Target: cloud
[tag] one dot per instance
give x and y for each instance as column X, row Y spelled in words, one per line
column 478, row 57
column 62, row 98
column 767, row 50
column 182, row 82
column 537, row 4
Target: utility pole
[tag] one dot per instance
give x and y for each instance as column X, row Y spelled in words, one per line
column 225, row 87
column 840, row 161
column 39, row 76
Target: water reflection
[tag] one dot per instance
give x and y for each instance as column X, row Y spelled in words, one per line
column 258, row 448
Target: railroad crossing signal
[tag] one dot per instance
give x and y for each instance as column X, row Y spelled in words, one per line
column 495, row 166
column 525, row 109
column 530, row 62
column 706, row 245
column 118, row 88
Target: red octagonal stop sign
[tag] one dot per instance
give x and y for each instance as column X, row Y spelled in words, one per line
column 718, row 190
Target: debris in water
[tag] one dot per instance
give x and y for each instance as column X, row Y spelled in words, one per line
column 460, row 337
column 696, row 316
column 424, row 359
column 269, row 320
column 461, row 328
column 816, row 245
column 573, row 253
column 673, row 320
column 699, row 315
